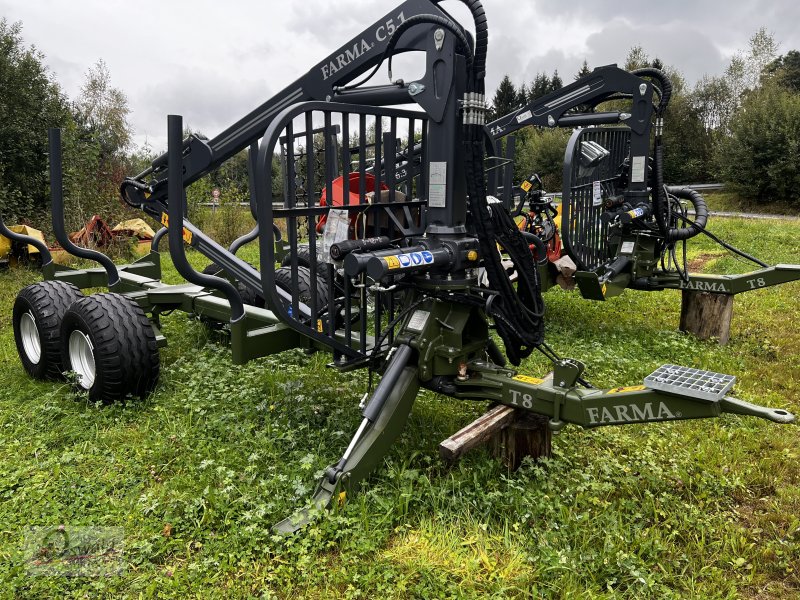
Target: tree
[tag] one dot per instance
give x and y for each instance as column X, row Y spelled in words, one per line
column 541, row 151
column 786, row 69
column 30, row 103
column 102, row 111
column 713, row 100
column 760, row 158
column 762, row 50
column 96, row 150
column 540, row 87
column 583, row 71
column 505, row 99
column 637, row 59
column 523, row 95
column 555, row 82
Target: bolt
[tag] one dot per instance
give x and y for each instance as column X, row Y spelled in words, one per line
column 438, row 38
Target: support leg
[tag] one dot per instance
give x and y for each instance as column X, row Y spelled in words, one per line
column 384, row 419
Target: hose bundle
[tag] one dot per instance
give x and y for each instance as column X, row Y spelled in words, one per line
column 517, row 313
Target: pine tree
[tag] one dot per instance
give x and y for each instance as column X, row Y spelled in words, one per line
column 506, row 98
column 539, row 87
column 555, row 82
column 584, row 71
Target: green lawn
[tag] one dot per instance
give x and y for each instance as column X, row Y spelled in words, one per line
column 198, row 472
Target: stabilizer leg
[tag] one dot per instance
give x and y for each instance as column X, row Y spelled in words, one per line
column 385, row 417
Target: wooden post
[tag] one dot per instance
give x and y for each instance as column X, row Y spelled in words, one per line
column 527, row 435
column 707, row 315
column 512, row 434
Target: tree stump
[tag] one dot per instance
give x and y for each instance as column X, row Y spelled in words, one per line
column 707, row 315
column 527, row 435
column 511, row 434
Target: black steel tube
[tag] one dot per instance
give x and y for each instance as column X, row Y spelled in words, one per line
column 341, row 249
column 399, row 361
column 356, row 263
column 383, row 95
column 246, row 239
column 57, row 209
column 603, row 118
column 407, row 262
column 26, row 239
column 615, row 268
column 157, row 239
column 175, row 206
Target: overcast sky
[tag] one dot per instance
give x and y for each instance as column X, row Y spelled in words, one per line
column 214, row 61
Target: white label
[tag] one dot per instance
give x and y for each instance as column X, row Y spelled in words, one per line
column 337, row 227
column 637, row 169
column 437, row 180
column 523, row 116
column 627, row 247
column 597, row 194
column 418, row 320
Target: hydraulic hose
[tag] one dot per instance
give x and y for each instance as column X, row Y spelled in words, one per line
column 434, row 20
column 481, row 39
column 700, row 209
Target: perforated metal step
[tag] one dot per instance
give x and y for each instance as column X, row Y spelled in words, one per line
column 686, row 381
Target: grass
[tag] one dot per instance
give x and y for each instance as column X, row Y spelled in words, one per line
column 731, row 202
column 199, row 471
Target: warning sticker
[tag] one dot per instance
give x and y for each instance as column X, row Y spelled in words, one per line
column 187, row 235
column 637, row 169
column 597, row 194
column 625, row 390
column 531, row 380
column 437, row 196
column 526, row 186
column 392, row 262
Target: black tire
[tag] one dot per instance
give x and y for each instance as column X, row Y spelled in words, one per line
column 248, row 296
column 283, row 279
column 303, row 258
column 121, row 346
column 45, row 303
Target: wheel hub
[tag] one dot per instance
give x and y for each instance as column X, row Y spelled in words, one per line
column 81, row 357
column 30, row 338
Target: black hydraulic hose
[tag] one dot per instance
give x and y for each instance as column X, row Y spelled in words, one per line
column 724, row 244
column 541, row 248
column 434, row 20
column 411, row 21
column 481, row 38
column 659, row 195
column 700, row 209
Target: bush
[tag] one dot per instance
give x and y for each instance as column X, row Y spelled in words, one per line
column 761, row 157
column 542, row 151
